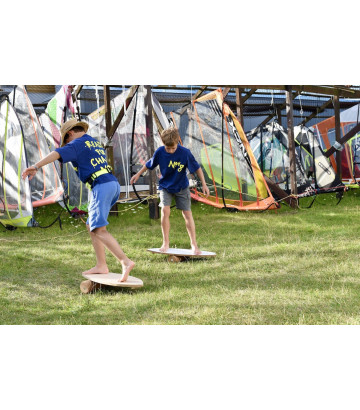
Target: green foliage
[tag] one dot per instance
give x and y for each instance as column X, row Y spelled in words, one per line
column 282, row 267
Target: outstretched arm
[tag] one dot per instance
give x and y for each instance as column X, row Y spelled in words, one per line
column 205, row 188
column 31, row 171
column 135, row 177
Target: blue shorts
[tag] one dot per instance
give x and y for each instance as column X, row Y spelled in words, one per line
column 102, row 198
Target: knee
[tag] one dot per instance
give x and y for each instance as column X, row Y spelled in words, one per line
column 165, row 211
column 187, row 215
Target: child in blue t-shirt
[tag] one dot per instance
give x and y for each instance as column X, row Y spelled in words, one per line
column 173, row 160
column 89, row 160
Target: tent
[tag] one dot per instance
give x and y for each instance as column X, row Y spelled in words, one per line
column 129, row 143
column 15, row 197
column 214, row 135
column 60, row 109
column 350, row 155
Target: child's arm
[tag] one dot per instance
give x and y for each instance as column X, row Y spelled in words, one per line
column 31, row 171
column 138, row 175
column 205, row 188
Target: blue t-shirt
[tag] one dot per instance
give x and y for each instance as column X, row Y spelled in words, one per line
column 173, row 167
column 87, row 156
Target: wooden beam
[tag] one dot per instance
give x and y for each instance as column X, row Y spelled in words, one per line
column 225, row 92
column 112, row 128
column 290, row 130
column 153, row 203
column 316, row 89
column 78, row 89
column 282, row 106
column 248, row 95
column 344, row 139
column 279, row 193
column 239, row 105
column 197, row 95
column 318, row 111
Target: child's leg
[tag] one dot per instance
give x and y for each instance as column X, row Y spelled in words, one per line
column 101, row 266
column 190, row 227
column 103, row 197
column 107, row 240
column 165, row 227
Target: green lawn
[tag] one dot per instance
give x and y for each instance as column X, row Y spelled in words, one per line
column 283, row 267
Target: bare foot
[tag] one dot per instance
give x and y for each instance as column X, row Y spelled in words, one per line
column 196, row 250
column 97, row 269
column 126, row 270
column 164, row 248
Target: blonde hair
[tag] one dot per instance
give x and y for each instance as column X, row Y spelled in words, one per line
column 170, row 136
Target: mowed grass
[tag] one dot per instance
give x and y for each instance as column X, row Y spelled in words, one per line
column 272, row 268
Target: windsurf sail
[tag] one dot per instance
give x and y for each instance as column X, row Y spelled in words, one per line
column 16, row 209
column 317, row 167
column 130, row 144
column 350, row 155
column 314, row 173
column 270, row 146
column 59, row 110
column 214, row 135
column 46, row 186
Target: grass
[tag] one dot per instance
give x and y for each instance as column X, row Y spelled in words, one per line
column 272, row 268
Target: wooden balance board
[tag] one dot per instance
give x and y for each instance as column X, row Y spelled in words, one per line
column 94, row 281
column 179, row 255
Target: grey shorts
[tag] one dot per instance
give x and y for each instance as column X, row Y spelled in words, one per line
column 182, row 199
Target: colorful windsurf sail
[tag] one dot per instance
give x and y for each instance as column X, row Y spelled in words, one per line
column 59, row 110
column 16, row 209
column 314, row 173
column 46, row 186
column 350, row 155
column 270, row 146
column 130, row 143
column 214, row 135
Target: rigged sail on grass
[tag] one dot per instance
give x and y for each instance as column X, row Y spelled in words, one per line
column 270, row 146
column 314, row 173
column 15, row 197
column 46, row 186
column 59, row 110
column 350, row 155
column 130, row 143
column 215, row 137
column 317, row 167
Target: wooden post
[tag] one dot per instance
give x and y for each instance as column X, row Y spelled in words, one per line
column 109, row 149
column 278, row 114
column 153, row 203
column 290, row 126
column 337, row 133
column 107, row 109
column 239, row 106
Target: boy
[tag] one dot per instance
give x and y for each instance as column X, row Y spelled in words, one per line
column 173, row 159
column 89, row 160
